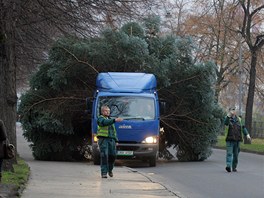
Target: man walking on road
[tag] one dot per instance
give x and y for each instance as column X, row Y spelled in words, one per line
column 234, row 132
column 107, row 139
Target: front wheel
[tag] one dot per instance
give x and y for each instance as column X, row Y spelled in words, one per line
column 152, row 161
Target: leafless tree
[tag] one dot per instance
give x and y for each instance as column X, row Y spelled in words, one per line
column 254, row 38
column 29, row 27
column 8, row 11
column 216, row 26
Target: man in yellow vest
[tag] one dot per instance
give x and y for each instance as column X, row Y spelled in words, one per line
column 234, row 131
column 107, row 139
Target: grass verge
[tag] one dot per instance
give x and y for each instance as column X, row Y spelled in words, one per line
column 256, row 146
column 20, row 175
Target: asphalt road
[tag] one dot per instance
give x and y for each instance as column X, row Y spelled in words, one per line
column 59, row 179
column 209, row 178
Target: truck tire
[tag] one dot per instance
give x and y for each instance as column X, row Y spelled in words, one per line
column 152, row 161
column 96, row 159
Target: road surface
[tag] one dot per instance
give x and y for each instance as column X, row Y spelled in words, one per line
column 209, row 178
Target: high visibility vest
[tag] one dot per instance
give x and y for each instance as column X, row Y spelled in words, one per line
column 103, row 130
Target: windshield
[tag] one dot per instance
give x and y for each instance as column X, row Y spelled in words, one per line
column 131, row 107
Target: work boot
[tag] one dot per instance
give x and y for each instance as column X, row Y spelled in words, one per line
column 104, row 176
column 228, row 169
column 111, row 174
column 234, row 170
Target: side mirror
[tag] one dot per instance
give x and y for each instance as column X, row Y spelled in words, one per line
column 163, row 106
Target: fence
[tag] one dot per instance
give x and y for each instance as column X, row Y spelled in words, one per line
column 257, row 129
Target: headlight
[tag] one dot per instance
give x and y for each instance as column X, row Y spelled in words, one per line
column 95, row 139
column 150, row 140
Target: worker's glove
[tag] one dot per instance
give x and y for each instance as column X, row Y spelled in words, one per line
column 248, row 137
column 229, row 114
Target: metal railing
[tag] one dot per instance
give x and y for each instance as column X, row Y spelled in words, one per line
column 257, row 129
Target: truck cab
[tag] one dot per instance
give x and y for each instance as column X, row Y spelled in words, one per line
column 133, row 97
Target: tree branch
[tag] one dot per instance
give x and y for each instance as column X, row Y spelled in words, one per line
column 80, row 61
column 256, row 10
column 259, row 41
column 50, row 99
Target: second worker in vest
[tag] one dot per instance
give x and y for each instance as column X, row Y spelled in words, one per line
column 107, row 139
column 234, row 132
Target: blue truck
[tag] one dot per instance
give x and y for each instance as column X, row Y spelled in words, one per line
column 133, row 97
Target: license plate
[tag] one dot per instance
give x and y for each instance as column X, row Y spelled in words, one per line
column 125, row 153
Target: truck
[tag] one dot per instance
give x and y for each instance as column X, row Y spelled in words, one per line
column 133, row 97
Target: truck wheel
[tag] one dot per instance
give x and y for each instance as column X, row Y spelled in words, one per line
column 152, row 161
column 96, row 159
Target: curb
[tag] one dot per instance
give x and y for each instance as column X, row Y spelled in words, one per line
column 177, row 194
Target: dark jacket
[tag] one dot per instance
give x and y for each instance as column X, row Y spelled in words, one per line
column 3, row 137
column 235, row 129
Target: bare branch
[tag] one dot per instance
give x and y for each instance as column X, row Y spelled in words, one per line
column 51, row 99
column 256, row 10
column 80, row 61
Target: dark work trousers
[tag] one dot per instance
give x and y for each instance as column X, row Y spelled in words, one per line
column 107, row 148
column 232, row 151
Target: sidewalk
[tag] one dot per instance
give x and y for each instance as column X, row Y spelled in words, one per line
column 78, row 179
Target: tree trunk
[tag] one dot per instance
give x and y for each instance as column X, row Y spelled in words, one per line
column 8, row 97
column 251, row 91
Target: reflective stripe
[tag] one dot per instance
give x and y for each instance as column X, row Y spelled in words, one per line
column 102, row 131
